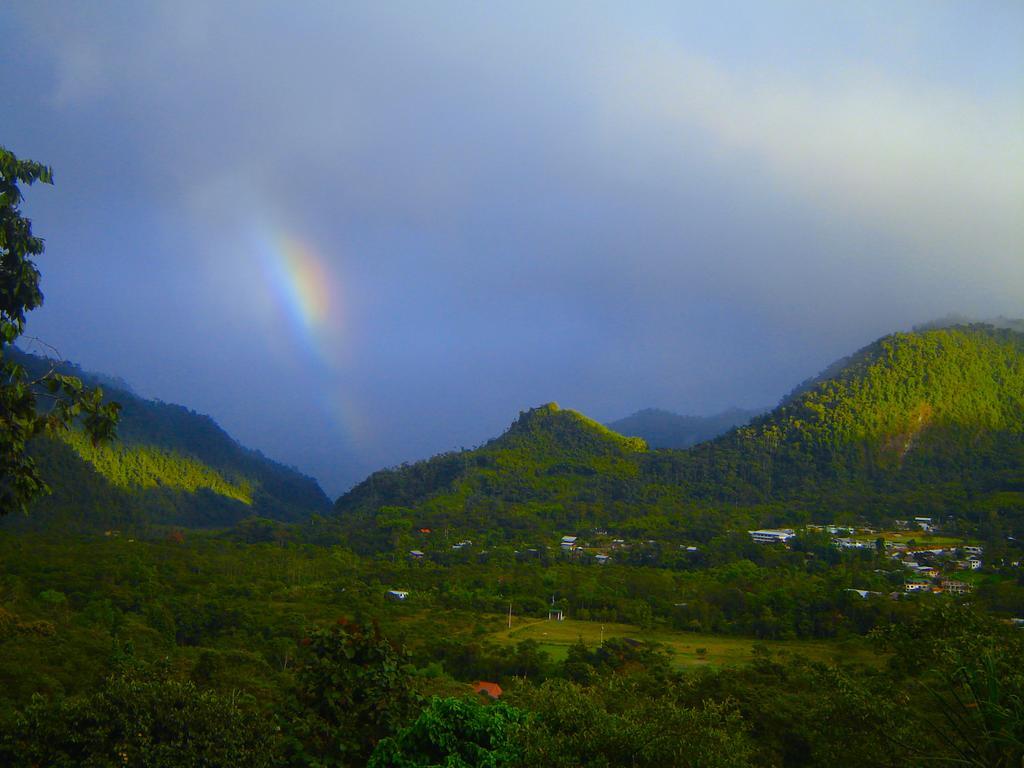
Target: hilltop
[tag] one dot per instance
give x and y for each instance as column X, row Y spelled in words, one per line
column 170, row 465
column 930, row 422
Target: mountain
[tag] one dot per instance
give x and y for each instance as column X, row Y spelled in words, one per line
column 543, row 468
column 170, row 466
column 911, row 412
column 929, row 423
column 664, row 429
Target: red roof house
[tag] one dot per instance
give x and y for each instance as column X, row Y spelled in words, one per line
column 491, row 689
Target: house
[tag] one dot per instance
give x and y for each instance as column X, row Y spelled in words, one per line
column 925, row 524
column 953, row 587
column 974, row 551
column 972, row 563
column 415, row 554
column 569, row 542
column 397, row 594
column 493, row 690
column 601, row 559
column 772, row 535
column 917, row 585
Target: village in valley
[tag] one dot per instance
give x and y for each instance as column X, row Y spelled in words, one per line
column 924, row 558
column 927, row 566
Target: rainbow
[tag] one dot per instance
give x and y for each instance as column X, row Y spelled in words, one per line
column 301, row 280
column 307, row 291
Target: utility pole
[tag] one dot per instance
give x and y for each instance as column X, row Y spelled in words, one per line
column 510, row 615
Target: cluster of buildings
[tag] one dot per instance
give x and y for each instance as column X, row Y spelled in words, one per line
column 925, row 524
column 928, row 570
column 927, row 566
column 573, row 545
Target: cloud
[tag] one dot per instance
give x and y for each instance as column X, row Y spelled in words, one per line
column 939, row 170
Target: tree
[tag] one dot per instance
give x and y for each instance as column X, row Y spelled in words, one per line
column 454, row 733
column 29, row 407
column 352, row 691
column 140, row 716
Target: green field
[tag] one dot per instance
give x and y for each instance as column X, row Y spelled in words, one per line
column 555, row 637
column 923, row 540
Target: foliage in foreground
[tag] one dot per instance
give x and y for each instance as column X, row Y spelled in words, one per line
column 455, row 733
column 140, row 717
column 22, row 399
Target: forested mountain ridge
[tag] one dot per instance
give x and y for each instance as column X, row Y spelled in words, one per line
column 169, row 465
column 665, row 429
column 929, row 422
column 910, row 408
column 547, row 440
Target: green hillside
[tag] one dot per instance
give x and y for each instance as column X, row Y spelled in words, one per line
column 170, row 465
column 930, row 422
column 932, row 407
column 146, row 466
column 548, row 463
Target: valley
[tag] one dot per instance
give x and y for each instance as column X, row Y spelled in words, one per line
column 798, row 562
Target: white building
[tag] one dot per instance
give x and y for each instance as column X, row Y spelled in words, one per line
column 772, row 535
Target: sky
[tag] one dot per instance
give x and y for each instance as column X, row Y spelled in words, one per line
column 358, row 234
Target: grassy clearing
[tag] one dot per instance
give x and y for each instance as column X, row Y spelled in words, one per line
column 687, row 649
column 923, row 540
